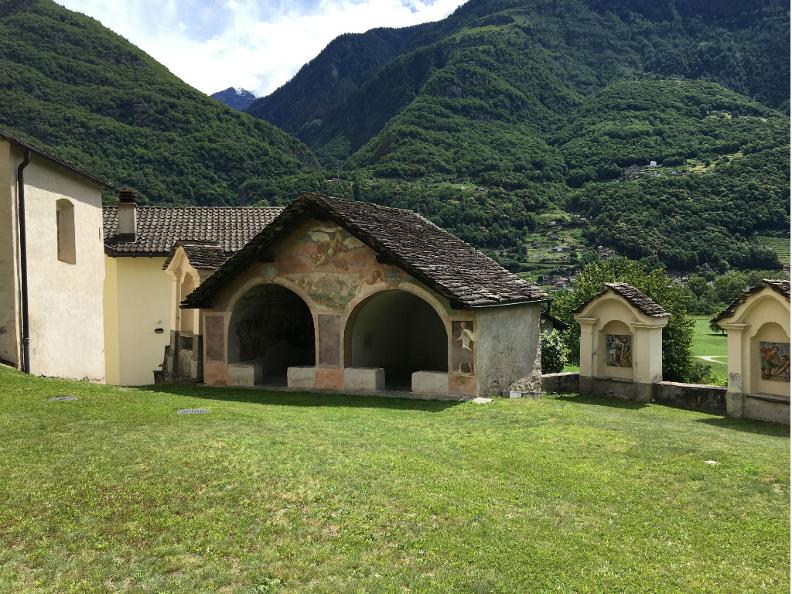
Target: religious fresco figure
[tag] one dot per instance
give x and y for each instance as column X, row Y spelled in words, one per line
column 618, row 350
column 774, row 361
column 463, row 352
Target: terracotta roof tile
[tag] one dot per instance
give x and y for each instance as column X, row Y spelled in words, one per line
column 160, row 227
column 442, row 261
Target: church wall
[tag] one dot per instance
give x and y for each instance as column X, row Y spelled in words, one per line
column 65, row 297
column 9, row 304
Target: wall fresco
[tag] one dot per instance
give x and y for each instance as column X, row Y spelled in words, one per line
column 618, row 350
column 463, row 353
column 774, row 361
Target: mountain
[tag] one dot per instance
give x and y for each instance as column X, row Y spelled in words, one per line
column 327, row 81
column 552, row 111
column 87, row 95
column 236, row 98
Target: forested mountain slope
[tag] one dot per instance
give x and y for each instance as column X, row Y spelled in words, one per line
column 87, row 95
column 546, row 107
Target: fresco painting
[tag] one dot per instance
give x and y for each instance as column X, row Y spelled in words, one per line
column 618, row 350
column 463, row 351
column 774, row 361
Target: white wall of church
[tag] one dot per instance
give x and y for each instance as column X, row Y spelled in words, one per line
column 65, row 292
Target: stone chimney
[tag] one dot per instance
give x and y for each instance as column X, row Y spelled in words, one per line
column 127, row 214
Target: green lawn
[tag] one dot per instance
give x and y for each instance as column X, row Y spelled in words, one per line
column 709, row 348
column 296, row 492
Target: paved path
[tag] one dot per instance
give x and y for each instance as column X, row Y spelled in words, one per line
column 713, row 359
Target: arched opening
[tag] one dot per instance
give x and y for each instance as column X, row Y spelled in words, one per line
column 64, row 221
column 272, row 329
column 398, row 332
column 187, row 316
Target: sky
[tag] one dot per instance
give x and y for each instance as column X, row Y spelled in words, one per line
column 254, row 44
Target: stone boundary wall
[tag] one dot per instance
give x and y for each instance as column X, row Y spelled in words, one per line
column 698, row 397
column 561, row 383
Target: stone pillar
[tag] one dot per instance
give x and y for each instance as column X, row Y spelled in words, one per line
column 737, row 386
column 588, row 353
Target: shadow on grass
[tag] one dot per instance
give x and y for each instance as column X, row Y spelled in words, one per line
column 600, row 401
column 748, row 425
column 308, row 399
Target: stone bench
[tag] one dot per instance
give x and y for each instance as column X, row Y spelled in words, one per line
column 244, row 374
column 364, row 379
column 301, row 377
column 430, row 382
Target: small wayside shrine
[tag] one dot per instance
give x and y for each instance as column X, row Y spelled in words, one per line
column 757, row 324
column 621, row 343
column 356, row 297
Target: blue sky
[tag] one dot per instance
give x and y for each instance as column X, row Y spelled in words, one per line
column 255, row 44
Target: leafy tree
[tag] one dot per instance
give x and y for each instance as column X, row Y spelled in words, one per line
column 677, row 335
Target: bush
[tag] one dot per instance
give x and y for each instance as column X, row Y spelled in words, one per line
column 554, row 352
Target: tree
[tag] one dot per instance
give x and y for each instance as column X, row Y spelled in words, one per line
column 677, row 335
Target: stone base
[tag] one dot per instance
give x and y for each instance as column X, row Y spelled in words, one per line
column 430, row 382
column 361, row 379
column 303, row 377
column 616, row 388
column 243, row 374
column 561, row 383
column 766, row 407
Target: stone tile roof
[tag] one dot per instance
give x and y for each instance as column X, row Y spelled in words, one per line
column 451, row 267
column 201, row 255
column 642, row 302
column 160, row 227
column 779, row 286
column 52, row 158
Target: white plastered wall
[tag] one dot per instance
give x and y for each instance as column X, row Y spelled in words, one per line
column 138, row 304
column 65, row 299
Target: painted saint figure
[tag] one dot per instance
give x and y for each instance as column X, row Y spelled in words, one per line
column 774, row 361
column 618, row 350
column 464, row 353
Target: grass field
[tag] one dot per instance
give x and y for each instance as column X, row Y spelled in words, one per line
column 296, row 492
column 710, row 348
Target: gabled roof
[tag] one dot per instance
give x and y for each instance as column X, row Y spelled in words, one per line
column 201, row 255
column 443, row 262
column 642, row 302
column 160, row 227
column 53, row 159
column 779, row 286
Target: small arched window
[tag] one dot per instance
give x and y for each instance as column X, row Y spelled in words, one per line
column 64, row 212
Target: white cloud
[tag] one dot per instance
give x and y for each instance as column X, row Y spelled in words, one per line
column 258, row 45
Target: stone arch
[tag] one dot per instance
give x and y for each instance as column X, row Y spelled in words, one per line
column 271, row 328
column 187, row 318
column 396, row 330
